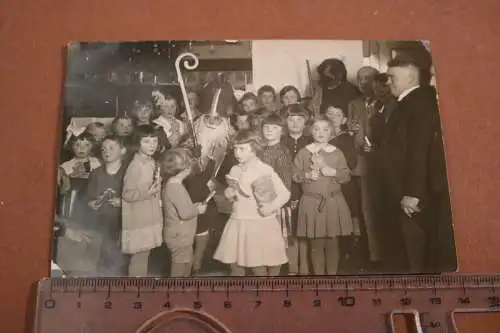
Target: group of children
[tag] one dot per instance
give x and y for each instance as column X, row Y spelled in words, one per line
column 272, row 191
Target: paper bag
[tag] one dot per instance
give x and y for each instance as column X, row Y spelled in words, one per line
column 263, row 190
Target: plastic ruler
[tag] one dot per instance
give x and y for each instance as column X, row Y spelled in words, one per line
column 337, row 304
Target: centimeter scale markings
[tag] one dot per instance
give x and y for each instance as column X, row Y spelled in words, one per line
column 338, row 304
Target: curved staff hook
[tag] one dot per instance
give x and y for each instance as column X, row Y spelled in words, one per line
column 189, row 64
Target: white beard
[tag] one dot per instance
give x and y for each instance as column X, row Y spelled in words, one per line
column 213, row 140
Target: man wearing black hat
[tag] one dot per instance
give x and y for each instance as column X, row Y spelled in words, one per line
column 414, row 174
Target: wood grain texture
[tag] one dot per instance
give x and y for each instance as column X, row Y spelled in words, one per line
column 33, row 33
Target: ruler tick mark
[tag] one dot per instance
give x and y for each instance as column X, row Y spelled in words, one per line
column 50, row 290
column 428, row 293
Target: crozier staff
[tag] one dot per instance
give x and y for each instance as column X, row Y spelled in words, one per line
column 190, row 64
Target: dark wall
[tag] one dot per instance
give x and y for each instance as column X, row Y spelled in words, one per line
column 102, row 78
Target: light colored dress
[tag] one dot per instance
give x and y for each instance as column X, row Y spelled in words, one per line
column 142, row 218
column 249, row 239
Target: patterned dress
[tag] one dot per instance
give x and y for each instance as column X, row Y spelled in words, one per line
column 279, row 158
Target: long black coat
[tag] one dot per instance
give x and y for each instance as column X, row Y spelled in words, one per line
column 412, row 149
column 413, row 164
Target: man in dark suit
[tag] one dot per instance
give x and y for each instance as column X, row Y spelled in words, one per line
column 359, row 114
column 413, row 168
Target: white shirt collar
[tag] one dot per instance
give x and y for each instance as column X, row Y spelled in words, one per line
column 296, row 137
column 407, row 92
column 315, row 148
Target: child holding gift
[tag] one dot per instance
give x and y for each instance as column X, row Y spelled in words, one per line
column 252, row 237
column 172, row 128
column 142, row 218
column 323, row 212
column 104, row 194
column 78, row 169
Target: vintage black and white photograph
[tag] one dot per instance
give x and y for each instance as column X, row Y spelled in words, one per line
column 192, row 158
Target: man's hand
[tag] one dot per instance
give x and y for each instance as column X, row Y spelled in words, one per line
column 410, row 205
column 368, row 149
column 95, row 204
column 211, row 185
column 115, row 202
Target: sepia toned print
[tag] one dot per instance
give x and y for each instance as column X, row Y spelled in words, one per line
column 251, row 158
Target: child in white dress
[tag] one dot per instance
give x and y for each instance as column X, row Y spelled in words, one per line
column 252, row 237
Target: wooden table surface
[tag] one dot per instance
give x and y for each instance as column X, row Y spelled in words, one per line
column 33, row 33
